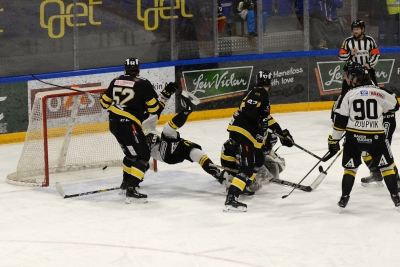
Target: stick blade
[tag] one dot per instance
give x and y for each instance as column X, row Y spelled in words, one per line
column 308, row 189
column 60, row 190
column 318, row 181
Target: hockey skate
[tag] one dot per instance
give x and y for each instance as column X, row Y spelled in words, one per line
column 123, row 187
column 343, row 202
column 374, row 179
column 133, row 195
column 251, row 188
column 231, row 204
column 189, row 101
column 396, row 200
column 248, row 192
column 221, row 177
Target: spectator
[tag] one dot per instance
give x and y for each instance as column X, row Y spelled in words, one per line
column 392, row 23
column 246, row 10
column 325, row 28
column 221, row 18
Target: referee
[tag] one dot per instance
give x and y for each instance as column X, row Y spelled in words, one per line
column 360, row 48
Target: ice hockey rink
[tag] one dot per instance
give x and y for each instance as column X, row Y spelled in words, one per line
column 183, row 224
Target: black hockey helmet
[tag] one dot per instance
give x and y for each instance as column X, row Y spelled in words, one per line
column 132, row 65
column 361, row 73
column 358, row 24
column 350, row 65
column 264, row 77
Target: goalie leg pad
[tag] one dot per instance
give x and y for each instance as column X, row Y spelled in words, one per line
column 274, row 164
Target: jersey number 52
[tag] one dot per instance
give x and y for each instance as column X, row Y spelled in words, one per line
column 123, row 95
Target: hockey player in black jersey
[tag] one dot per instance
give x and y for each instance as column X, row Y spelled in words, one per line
column 248, row 129
column 346, row 85
column 169, row 147
column 272, row 167
column 126, row 99
column 359, row 115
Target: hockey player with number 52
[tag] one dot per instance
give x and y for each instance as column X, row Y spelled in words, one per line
column 127, row 99
column 359, row 115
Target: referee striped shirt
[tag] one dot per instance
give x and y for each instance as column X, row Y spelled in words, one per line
column 368, row 51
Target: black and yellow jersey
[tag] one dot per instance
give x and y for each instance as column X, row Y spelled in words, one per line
column 128, row 97
column 254, row 107
column 256, row 104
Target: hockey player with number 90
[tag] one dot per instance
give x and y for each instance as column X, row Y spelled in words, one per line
column 359, row 114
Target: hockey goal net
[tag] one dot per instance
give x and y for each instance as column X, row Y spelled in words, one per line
column 67, row 131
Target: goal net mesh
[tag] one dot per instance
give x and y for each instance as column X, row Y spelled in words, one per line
column 67, row 131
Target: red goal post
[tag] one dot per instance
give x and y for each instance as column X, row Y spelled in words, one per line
column 67, row 131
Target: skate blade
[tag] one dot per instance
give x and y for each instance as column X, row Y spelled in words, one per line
column 130, row 200
column 341, row 209
column 246, row 196
column 373, row 184
column 233, row 209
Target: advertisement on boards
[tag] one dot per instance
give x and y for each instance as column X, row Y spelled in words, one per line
column 13, row 109
column 158, row 77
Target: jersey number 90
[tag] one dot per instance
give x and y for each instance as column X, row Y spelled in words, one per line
column 365, row 109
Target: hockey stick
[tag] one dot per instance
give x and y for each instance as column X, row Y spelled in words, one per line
column 61, row 86
column 63, row 195
column 323, row 173
column 285, row 196
column 274, row 180
column 296, row 145
column 278, row 148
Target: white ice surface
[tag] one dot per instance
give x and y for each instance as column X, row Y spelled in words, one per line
column 183, row 223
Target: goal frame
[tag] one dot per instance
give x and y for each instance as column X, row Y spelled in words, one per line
column 34, row 168
column 45, row 129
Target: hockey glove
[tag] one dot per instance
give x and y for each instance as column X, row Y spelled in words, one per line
column 169, row 89
column 287, row 139
column 264, row 124
column 333, row 144
column 333, row 147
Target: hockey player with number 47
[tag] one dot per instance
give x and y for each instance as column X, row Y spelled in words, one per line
column 248, row 130
column 359, row 115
